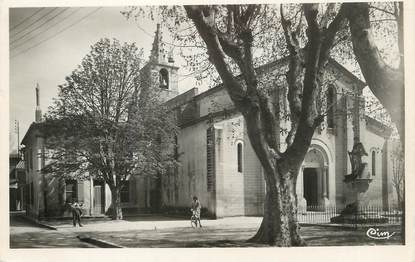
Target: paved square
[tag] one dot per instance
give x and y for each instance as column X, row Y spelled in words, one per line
column 158, row 231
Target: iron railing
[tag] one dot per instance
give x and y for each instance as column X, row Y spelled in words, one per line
column 363, row 215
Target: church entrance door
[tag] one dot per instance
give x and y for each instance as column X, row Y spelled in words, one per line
column 310, row 187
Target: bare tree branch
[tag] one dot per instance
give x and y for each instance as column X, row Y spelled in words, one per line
column 386, row 83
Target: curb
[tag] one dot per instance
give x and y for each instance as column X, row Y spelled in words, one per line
column 47, row 226
column 98, row 242
column 34, row 221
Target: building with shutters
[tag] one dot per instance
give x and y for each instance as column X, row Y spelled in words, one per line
column 17, row 183
column 47, row 196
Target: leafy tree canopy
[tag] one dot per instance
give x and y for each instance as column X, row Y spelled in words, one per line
column 106, row 122
column 269, row 41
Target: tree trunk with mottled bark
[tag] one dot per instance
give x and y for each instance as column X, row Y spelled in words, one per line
column 116, row 203
column 279, row 226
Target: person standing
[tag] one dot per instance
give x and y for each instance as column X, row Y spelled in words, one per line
column 76, row 213
column 196, row 209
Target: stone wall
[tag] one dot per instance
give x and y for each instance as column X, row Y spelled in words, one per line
column 254, row 183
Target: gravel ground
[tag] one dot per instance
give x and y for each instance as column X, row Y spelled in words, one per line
column 173, row 232
column 236, row 237
column 24, row 234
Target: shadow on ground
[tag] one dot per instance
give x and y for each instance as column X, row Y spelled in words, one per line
column 236, row 237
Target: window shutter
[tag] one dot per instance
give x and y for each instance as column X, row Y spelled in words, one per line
column 210, row 159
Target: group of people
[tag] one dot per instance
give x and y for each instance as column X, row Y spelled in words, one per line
column 76, row 209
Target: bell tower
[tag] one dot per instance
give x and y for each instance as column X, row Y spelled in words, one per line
column 160, row 72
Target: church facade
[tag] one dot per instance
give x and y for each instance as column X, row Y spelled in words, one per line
column 217, row 162
column 219, row 165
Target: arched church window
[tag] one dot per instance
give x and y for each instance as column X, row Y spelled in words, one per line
column 164, row 78
column 331, row 105
column 373, row 163
column 239, row 152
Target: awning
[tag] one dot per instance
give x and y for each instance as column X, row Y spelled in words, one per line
column 20, row 165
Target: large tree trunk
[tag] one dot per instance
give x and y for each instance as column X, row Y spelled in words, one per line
column 116, row 203
column 279, row 226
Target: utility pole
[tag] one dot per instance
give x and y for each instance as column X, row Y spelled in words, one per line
column 16, row 126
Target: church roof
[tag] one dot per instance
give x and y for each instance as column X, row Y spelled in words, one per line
column 378, row 127
column 184, row 97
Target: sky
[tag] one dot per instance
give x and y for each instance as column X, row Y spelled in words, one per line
column 47, row 44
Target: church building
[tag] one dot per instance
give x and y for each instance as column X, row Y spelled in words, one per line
column 217, row 162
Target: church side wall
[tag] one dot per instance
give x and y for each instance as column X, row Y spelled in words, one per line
column 254, row 183
column 236, row 193
column 231, row 194
column 190, row 179
column 374, row 144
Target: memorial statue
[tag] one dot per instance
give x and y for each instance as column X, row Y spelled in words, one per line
column 359, row 183
column 358, row 166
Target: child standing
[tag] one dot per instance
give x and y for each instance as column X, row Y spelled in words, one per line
column 196, row 208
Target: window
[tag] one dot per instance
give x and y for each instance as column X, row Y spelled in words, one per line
column 125, row 192
column 239, row 149
column 71, row 190
column 210, row 159
column 164, row 79
column 373, row 163
column 330, row 105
